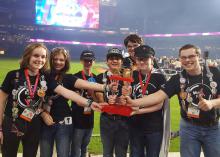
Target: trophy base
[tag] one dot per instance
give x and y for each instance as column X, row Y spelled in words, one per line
column 118, row 109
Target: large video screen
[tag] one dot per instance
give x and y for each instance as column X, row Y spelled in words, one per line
column 71, row 13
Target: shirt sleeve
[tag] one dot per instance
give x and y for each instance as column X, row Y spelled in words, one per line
column 72, row 80
column 172, row 86
column 8, row 83
column 99, row 78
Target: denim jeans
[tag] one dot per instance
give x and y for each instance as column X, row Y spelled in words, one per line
column 114, row 136
column 144, row 144
column 59, row 133
column 194, row 138
column 80, row 141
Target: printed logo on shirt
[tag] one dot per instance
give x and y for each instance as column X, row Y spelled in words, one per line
column 24, row 99
column 91, row 79
column 195, row 89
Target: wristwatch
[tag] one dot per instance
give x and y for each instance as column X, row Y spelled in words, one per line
column 89, row 102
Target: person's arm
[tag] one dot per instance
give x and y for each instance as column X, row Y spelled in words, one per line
column 47, row 118
column 82, row 84
column 100, row 97
column 68, row 94
column 207, row 105
column 149, row 109
column 3, row 98
column 148, row 100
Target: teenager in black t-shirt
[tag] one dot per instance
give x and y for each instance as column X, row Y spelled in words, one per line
column 58, row 128
column 148, row 125
column 131, row 42
column 198, row 90
column 83, row 117
column 113, row 128
column 23, row 92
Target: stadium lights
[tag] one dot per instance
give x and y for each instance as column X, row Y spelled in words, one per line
column 76, row 43
column 2, row 52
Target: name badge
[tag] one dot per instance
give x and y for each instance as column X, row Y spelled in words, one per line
column 68, row 120
column 193, row 112
column 87, row 110
column 28, row 114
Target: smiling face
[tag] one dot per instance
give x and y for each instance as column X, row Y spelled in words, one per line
column 114, row 63
column 189, row 59
column 87, row 64
column 37, row 59
column 59, row 62
column 131, row 46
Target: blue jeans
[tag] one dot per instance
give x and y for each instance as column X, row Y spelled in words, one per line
column 59, row 133
column 80, row 141
column 114, row 136
column 144, row 144
column 193, row 138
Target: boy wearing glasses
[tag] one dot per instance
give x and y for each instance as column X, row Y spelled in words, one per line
column 131, row 42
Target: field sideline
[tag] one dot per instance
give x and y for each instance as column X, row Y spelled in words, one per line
column 95, row 146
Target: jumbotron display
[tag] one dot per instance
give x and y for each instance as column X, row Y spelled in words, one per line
column 71, row 13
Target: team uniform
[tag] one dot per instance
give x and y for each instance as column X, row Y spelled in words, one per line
column 197, row 128
column 146, row 130
column 21, row 119
column 113, row 128
column 61, row 131
column 83, row 119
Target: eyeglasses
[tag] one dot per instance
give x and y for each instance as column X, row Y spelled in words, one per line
column 190, row 57
column 133, row 46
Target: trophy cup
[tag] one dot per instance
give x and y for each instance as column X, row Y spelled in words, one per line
column 119, row 109
column 127, row 74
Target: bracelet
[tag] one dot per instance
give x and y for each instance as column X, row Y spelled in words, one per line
column 89, row 102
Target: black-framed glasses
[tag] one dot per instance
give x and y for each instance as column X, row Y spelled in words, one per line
column 190, row 57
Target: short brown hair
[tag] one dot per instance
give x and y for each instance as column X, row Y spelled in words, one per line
column 27, row 55
column 134, row 38
column 189, row 46
column 65, row 53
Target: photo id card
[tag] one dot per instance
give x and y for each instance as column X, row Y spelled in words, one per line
column 193, row 112
column 28, row 114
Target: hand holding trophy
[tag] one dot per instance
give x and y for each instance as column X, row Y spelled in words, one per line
column 126, row 88
column 115, row 106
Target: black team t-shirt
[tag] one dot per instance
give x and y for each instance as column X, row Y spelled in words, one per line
column 194, row 83
column 81, row 120
column 21, row 88
column 148, row 122
column 60, row 107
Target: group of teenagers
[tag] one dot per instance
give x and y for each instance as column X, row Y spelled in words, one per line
column 34, row 108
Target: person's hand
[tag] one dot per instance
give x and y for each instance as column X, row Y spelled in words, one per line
column 1, row 137
column 113, row 86
column 97, row 106
column 131, row 102
column 112, row 99
column 122, row 100
column 135, row 111
column 126, row 90
column 48, row 120
column 204, row 104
